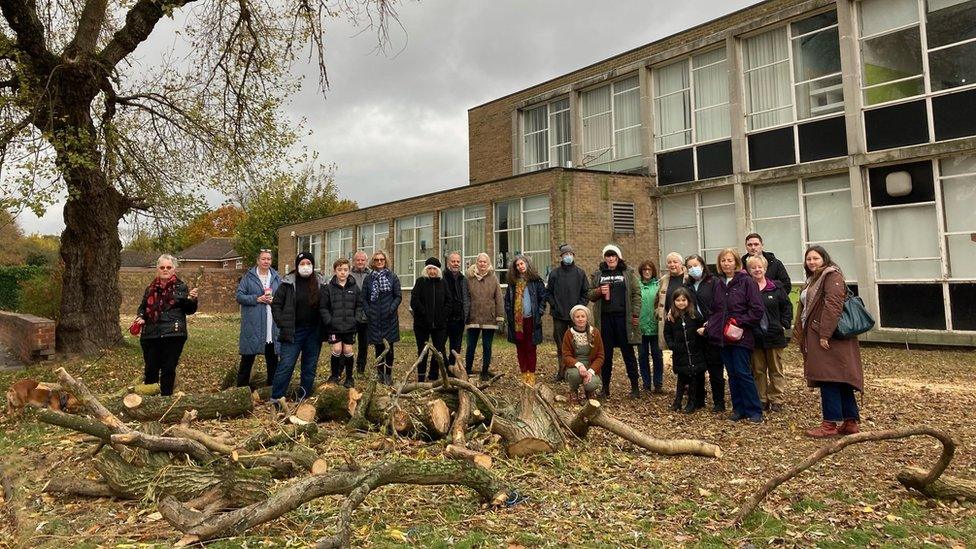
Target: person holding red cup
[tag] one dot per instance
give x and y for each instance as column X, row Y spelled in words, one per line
column 616, row 298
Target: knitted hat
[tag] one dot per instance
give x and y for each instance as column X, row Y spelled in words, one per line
column 589, row 313
column 566, row 249
column 304, row 255
column 612, row 249
column 432, row 261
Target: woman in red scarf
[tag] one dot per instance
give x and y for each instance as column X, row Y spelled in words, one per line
column 162, row 319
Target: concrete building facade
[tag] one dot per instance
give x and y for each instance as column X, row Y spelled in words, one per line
column 849, row 123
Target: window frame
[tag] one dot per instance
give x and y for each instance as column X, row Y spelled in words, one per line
column 314, row 241
column 698, row 226
column 442, row 238
column 372, row 247
column 500, row 269
column 418, row 263
column 345, row 236
column 551, row 146
column 592, row 164
column 693, row 109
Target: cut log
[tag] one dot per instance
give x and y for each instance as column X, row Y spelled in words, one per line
column 78, row 487
column 170, row 409
column 306, row 411
column 332, row 403
column 436, row 418
column 319, row 467
column 580, row 424
column 78, row 423
column 90, row 402
column 155, row 443
column 945, row 487
column 145, row 389
column 284, row 464
column 668, row 447
column 463, row 414
column 259, row 379
column 293, row 392
column 480, row 459
column 283, row 435
column 532, row 430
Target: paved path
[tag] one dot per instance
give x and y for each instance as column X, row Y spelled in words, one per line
column 9, row 362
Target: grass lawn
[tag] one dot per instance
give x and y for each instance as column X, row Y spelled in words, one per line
column 599, row 493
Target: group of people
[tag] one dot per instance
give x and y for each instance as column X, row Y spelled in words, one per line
column 734, row 321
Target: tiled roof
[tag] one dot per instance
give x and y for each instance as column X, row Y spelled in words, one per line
column 211, row 249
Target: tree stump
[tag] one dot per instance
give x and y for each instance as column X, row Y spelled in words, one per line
column 533, row 430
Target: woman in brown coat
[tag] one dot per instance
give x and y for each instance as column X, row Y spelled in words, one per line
column 487, row 312
column 830, row 363
column 582, row 354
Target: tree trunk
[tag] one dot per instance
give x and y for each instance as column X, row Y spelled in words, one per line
column 169, row 409
column 533, row 430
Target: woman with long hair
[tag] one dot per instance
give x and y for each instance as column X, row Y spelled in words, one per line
column 525, row 302
column 701, row 283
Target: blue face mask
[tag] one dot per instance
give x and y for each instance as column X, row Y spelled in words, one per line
column 696, row 271
column 568, row 259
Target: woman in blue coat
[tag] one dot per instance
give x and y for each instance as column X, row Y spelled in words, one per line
column 259, row 334
column 525, row 303
column 381, row 300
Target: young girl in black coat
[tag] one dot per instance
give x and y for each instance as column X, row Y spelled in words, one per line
column 685, row 337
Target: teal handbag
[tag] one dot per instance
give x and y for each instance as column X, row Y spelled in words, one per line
column 854, row 319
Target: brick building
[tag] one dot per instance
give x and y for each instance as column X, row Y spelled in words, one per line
column 849, row 123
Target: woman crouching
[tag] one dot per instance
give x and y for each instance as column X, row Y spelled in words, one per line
column 582, row 355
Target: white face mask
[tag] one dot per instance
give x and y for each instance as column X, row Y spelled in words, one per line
column 305, row 270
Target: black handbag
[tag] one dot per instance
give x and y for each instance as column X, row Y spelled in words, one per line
column 854, row 319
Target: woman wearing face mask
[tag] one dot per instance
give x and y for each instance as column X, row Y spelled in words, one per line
column 486, row 314
column 701, row 284
column 295, row 309
column 381, row 301
column 671, row 281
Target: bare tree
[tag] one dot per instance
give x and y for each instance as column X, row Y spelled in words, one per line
column 83, row 110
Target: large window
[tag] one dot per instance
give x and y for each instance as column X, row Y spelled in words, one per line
column 338, row 244
column 311, row 243
column 463, row 230
column 611, row 125
column 372, row 237
column 691, row 101
column 793, row 215
column 698, row 223
column 414, row 244
column 546, row 136
column 522, row 227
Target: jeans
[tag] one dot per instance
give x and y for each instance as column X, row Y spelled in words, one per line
column 439, row 338
column 487, row 337
column 838, row 401
column 525, row 346
column 307, row 342
column 650, row 349
column 247, row 362
column 742, row 387
column 455, row 333
column 559, row 328
column 161, row 356
column 363, row 346
column 614, row 331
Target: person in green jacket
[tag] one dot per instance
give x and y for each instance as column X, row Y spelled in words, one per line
column 649, row 348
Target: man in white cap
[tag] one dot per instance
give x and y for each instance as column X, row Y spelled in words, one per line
column 567, row 287
column 616, row 296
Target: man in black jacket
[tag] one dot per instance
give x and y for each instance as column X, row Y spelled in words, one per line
column 457, row 294
column 567, row 287
column 776, row 270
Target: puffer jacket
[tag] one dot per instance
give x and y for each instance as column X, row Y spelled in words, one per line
column 779, row 314
column 283, row 307
column 430, row 302
column 172, row 319
column 687, row 347
column 738, row 299
column 382, row 319
column 341, row 307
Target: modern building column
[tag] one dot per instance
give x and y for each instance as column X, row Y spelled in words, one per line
column 740, row 152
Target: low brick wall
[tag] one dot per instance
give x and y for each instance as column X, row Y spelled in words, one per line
column 29, row 337
column 217, row 288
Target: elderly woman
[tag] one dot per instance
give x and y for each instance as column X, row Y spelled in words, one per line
column 162, row 319
column 381, row 300
column 486, row 314
column 830, row 363
column 767, row 357
column 671, row 281
column 737, row 311
column 259, row 334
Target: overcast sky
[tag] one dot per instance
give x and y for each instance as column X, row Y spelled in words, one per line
column 395, row 125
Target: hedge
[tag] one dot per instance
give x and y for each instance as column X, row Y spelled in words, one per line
column 10, row 279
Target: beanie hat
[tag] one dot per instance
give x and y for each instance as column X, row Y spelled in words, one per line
column 304, row 255
column 566, row 249
column 432, row 261
column 612, row 249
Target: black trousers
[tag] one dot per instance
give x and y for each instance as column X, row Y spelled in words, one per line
column 247, row 362
column 455, row 334
column 559, row 328
column 439, row 337
column 378, row 349
column 363, row 344
column 716, row 378
column 161, row 355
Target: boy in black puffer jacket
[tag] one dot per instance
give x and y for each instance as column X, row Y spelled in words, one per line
column 685, row 337
column 431, row 308
column 341, row 308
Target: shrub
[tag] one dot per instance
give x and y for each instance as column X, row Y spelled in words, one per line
column 41, row 295
column 10, row 278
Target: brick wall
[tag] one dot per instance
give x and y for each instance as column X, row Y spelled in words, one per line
column 30, row 337
column 217, row 288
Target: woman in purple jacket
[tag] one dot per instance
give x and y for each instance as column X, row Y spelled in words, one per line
column 737, row 310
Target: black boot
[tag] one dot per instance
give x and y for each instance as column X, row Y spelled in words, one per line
column 634, row 389
column 335, row 365
column 679, row 392
column 388, row 376
column 349, row 382
column 691, row 406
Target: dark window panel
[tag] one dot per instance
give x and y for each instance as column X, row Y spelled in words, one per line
column 923, row 188
column 896, row 126
column 823, row 139
column 918, row 306
column 714, row 159
column 675, row 167
column 963, row 298
column 954, row 115
column 771, row 149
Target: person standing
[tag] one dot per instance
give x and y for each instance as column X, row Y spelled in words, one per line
column 830, row 363
column 671, row 281
column 775, row 268
column 431, row 307
column 259, row 334
column 701, row 283
column 460, row 299
column 650, row 348
column 486, row 314
column 358, row 273
column 582, row 354
column 567, row 287
column 615, row 293
column 341, row 309
column 162, row 318
column 767, row 357
column 525, row 302
column 737, row 310
column 381, row 298
column 295, row 309
column 684, row 333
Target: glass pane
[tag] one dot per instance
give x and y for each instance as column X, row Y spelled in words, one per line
column 816, row 55
column 713, row 123
column 959, row 204
column 628, row 142
column 626, row 109
column 717, row 196
column 536, row 150
column 718, row 227
column 673, row 114
column 451, row 221
column 450, row 245
column 404, row 263
column 893, row 270
column 782, row 237
column 626, row 84
column 826, row 183
column 536, row 217
column 829, row 216
column 507, row 215
column 537, row 237
column 811, row 24
column 683, row 241
column 474, row 237
column 474, row 212
column 596, row 139
column 536, row 119
column 775, row 200
column 561, row 156
column 891, row 57
column 768, row 93
column 711, row 86
column 556, row 106
column 842, row 253
column 708, row 58
column 425, row 220
column 365, row 236
column 903, row 233
column 594, row 102
column 678, row 211
column 765, row 48
column 560, row 128
column 892, row 92
column 539, row 201
column 542, row 262
column 953, row 67
column 671, row 78
column 949, row 21
column 957, row 165
column 882, row 15
column 962, row 255
column 820, row 97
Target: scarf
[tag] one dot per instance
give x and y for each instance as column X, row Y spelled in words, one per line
column 383, row 284
column 813, row 288
column 160, row 297
column 481, row 275
column 517, row 309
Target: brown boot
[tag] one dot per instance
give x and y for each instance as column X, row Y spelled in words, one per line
column 827, row 429
column 849, row 427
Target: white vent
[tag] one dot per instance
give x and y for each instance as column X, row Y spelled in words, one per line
column 623, row 216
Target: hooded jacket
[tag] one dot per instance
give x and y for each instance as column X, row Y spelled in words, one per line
column 779, row 315
column 341, row 307
column 283, row 306
column 633, row 299
column 429, row 300
column 254, row 315
column 687, row 347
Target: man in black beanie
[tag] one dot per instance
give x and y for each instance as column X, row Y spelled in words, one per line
column 567, row 287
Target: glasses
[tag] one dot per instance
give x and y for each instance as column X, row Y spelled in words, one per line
column 380, row 259
column 162, row 268
column 264, row 250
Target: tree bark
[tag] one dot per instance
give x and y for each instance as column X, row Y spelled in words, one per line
column 668, row 447
column 170, row 409
column 945, row 487
column 532, row 431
